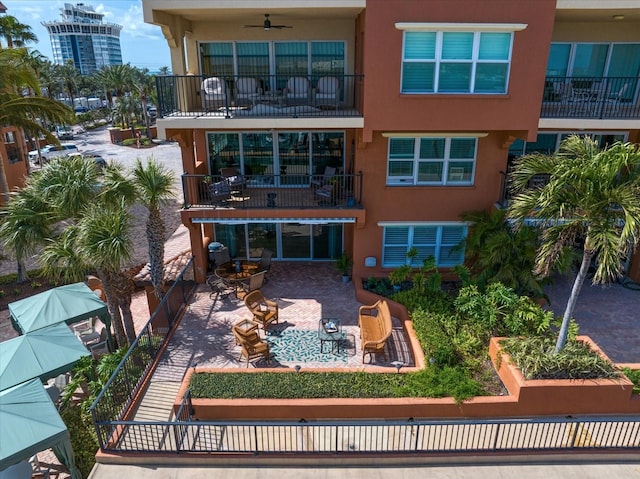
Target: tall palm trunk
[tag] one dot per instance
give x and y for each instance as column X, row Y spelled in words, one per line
column 114, row 309
column 23, row 275
column 573, row 299
column 123, row 286
column 155, row 237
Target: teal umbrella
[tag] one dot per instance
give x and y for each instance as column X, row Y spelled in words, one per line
column 42, row 354
column 29, row 423
column 70, row 304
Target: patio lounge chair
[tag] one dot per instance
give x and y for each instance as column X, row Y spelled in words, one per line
column 327, row 92
column 297, row 91
column 264, row 311
column 214, row 94
column 220, row 192
column 247, row 90
column 251, row 346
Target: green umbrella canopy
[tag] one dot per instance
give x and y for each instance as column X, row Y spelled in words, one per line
column 71, row 303
column 29, row 423
column 42, row 354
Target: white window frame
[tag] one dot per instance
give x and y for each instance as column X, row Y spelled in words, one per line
column 444, row 179
column 477, row 29
column 437, row 245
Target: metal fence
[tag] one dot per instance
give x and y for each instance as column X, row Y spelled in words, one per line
column 272, row 191
column 185, row 435
column 591, row 97
column 124, row 384
column 259, row 96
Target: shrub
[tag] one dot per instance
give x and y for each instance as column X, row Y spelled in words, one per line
column 536, row 359
column 634, row 377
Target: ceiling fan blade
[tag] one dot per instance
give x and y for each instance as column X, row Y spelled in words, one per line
column 254, row 26
column 281, row 26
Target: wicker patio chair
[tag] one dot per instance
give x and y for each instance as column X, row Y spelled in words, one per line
column 264, row 311
column 251, row 346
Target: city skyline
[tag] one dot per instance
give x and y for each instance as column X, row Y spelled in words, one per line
column 143, row 45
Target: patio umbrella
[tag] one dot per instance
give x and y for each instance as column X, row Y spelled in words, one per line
column 29, row 423
column 70, row 304
column 42, row 354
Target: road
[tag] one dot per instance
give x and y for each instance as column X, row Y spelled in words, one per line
column 97, row 142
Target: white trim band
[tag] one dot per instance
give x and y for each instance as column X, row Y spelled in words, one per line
column 423, row 223
column 398, row 134
column 461, row 27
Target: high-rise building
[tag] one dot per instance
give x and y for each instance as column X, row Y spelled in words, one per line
column 82, row 36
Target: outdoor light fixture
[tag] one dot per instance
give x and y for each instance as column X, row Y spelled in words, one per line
column 398, row 365
column 297, row 368
column 617, row 17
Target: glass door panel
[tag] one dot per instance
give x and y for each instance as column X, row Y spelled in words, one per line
column 589, row 60
column 253, row 61
column 234, row 238
column 262, row 235
column 327, row 241
column 217, row 59
column 558, row 64
column 291, row 60
column 327, row 150
column 224, row 151
column 293, row 156
column 258, row 158
column 296, row 240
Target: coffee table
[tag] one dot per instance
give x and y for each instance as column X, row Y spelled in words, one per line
column 327, row 335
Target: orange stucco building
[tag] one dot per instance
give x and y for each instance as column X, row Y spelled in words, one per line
column 369, row 126
column 13, row 154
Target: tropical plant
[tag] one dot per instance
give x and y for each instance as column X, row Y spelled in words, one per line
column 592, row 202
column 15, row 34
column 497, row 252
column 344, row 263
column 80, row 217
column 154, row 185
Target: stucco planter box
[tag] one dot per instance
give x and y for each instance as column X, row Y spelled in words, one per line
column 563, row 396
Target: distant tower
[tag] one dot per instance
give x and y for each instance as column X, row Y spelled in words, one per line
column 81, row 36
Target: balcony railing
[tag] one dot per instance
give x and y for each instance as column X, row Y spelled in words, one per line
column 591, row 97
column 258, row 96
column 300, row 191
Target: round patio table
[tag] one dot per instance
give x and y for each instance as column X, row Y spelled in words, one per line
column 238, row 271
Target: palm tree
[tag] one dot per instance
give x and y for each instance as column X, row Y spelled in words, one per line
column 27, row 112
column 85, row 228
column 16, row 34
column 154, row 184
column 593, row 196
column 144, row 86
column 70, row 76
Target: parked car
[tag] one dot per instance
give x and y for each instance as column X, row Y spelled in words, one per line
column 49, row 152
column 64, row 133
column 100, row 161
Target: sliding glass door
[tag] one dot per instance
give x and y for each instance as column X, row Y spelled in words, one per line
column 288, row 241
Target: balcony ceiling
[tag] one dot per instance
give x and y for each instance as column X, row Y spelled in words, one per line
column 239, row 11
column 631, row 12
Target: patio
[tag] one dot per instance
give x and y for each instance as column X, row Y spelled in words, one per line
column 305, row 293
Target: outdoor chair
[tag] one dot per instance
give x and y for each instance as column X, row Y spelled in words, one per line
column 221, row 256
column 220, row 192
column 247, row 90
column 324, row 194
column 327, row 92
column 214, row 94
column 218, row 287
column 100, row 348
column 235, row 179
column 85, row 331
column 264, row 311
column 297, row 91
column 321, row 180
column 246, row 330
column 251, row 346
column 255, row 282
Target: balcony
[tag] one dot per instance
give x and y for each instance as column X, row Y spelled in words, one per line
column 272, row 192
column 609, row 98
column 262, row 96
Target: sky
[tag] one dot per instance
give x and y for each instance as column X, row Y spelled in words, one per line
column 142, row 44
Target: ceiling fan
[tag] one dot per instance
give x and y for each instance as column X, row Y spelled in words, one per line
column 267, row 24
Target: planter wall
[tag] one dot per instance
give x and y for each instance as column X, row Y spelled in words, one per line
column 525, row 399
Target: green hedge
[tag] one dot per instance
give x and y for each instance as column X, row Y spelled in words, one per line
column 432, row 382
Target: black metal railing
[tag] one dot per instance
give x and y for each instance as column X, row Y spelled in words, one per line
column 259, row 96
column 273, row 191
column 591, row 97
column 123, row 385
column 352, row 437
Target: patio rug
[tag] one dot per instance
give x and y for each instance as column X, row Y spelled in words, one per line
column 303, row 346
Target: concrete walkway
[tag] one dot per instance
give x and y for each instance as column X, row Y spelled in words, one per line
column 482, row 471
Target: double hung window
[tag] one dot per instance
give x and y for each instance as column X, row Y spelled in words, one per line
column 456, row 62
column 443, row 242
column 431, row 161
